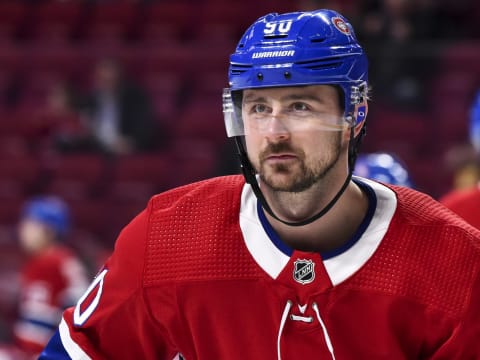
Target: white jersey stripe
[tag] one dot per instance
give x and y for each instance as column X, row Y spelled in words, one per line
column 344, row 265
column 34, row 333
column 72, row 348
column 340, row 267
column 265, row 253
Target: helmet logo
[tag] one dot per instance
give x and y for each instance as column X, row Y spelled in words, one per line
column 361, row 113
column 303, row 271
column 270, row 54
column 341, row 25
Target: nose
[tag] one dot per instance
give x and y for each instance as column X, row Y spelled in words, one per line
column 276, row 127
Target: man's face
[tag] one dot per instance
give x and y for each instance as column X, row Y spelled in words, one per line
column 34, row 236
column 293, row 134
column 107, row 75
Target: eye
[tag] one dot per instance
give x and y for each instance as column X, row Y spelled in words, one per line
column 300, row 106
column 259, row 108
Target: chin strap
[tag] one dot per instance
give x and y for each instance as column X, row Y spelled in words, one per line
column 250, row 177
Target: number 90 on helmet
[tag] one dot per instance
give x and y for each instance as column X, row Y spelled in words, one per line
column 297, row 49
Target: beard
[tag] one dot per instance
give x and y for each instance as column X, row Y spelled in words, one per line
column 299, row 176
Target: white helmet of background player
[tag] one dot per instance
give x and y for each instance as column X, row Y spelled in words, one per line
column 297, row 49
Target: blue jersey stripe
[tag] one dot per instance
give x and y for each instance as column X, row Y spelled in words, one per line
column 54, row 349
column 40, row 323
column 287, row 250
column 272, row 234
column 372, row 206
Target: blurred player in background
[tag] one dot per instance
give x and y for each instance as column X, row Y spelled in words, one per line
column 382, row 167
column 52, row 279
column 466, row 201
column 296, row 259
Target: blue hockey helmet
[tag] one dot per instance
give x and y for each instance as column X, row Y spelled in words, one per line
column 50, row 211
column 475, row 123
column 382, row 167
column 298, row 49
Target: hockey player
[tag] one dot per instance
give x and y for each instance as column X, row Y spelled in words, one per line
column 382, row 167
column 465, row 202
column 300, row 261
column 53, row 277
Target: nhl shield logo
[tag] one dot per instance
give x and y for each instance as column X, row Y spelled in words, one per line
column 303, row 271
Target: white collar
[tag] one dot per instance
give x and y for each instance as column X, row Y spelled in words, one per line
column 272, row 260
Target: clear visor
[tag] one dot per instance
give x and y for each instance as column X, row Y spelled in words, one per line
column 261, row 120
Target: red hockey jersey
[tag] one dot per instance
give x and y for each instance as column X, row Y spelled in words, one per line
column 50, row 282
column 465, row 203
column 201, row 273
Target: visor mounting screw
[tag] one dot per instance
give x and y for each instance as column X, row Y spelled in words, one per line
column 287, row 74
column 260, row 76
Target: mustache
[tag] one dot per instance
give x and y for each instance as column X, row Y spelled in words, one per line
column 278, row 148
